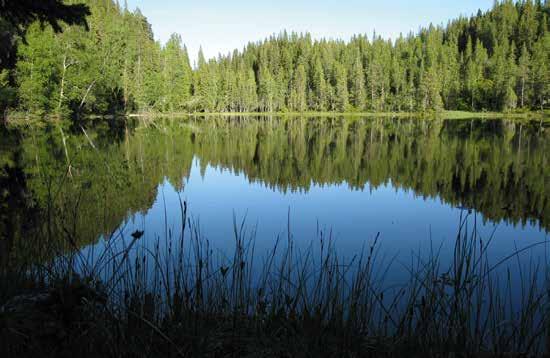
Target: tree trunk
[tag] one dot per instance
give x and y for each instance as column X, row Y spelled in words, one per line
column 125, row 77
column 86, row 94
column 61, row 94
column 522, row 90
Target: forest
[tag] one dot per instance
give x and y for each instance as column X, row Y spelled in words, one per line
column 498, row 60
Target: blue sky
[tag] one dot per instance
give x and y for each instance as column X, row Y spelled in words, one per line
column 221, row 26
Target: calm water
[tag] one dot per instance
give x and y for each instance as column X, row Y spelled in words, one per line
column 409, row 180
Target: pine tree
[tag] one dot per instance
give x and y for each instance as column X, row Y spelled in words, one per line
column 298, row 100
column 471, row 73
column 510, row 97
column 450, row 66
column 398, row 78
column 319, row 92
column 208, row 87
column 500, row 77
column 250, row 94
column 528, row 25
column 357, row 84
column 474, row 74
column 430, row 91
column 523, row 75
column 540, row 70
column 176, row 74
column 340, row 88
column 267, row 90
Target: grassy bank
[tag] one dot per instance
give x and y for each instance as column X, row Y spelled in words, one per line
column 178, row 298
column 443, row 115
column 544, row 116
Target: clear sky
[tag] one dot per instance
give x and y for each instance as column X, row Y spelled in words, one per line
column 223, row 25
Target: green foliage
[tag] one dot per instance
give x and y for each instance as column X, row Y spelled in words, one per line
column 470, row 64
column 540, row 69
column 7, row 92
column 116, row 66
column 38, row 71
column 493, row 61
column 297, row 100
column 357, row 84
column 17, row 15
column 340, row 102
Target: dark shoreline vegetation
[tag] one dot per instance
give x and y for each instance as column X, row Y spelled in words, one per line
column 180, row 299
column 498, row 61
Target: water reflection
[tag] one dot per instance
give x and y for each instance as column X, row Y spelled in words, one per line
column 402, row 177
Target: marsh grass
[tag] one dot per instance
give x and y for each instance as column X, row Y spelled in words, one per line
column 179, row 297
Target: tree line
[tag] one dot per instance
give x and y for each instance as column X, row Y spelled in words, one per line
column 497, row 60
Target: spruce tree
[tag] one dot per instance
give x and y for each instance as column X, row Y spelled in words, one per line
column 298, row 100
column 357, row 84
column 523, row 76
column 340, row 88
column 319, row 92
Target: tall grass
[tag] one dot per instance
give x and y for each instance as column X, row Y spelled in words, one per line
column 179, row 297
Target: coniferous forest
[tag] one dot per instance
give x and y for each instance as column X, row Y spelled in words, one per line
column 497, row 60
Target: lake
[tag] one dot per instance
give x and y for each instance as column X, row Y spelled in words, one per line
column 409, row 182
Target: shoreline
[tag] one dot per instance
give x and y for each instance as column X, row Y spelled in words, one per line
column 543, row 117
column 442, row 115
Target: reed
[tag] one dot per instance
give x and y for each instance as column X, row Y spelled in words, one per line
column 180, row 297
